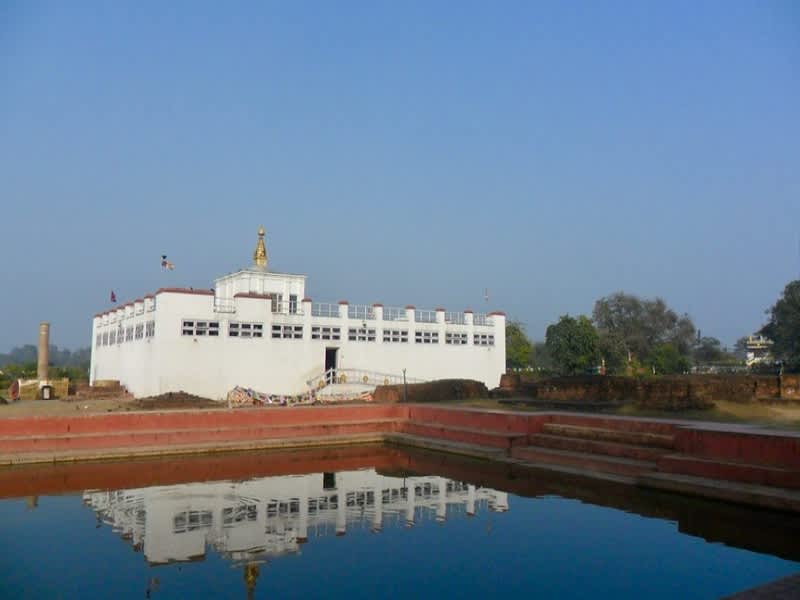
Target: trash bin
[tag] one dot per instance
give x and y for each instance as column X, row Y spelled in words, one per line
column 47, row 392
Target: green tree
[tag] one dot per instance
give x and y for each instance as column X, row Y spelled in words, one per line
column 740, row 347
column 708, row 350
column 639, row 325
column 519, row 349
column 783, row 327
column 665, row 359
column 573, row 344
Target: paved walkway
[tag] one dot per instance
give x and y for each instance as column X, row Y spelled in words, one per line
column 787, row 588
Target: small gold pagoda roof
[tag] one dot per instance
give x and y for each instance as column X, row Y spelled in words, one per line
column 260, row 258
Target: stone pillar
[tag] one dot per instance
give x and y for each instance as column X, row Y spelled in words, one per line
column 377, row 516
column 411, row 504
column 470, row 500
column 44, row 351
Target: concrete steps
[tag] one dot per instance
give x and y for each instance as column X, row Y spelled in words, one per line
column 120, row 452
column 175, row 437
column 764, row 475
column 439, row 445
column 728, row 491
column 640, row 438
column 629, row 424
column 468, row 435
column 597, row 447
column 587, row 463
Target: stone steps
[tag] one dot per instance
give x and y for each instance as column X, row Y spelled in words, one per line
column 176, row 437
column 468, row 435
column 629, row 424
column 597, row 447
column 144, row 451
column 586, row 462
column 749, row 473
column 439, row 445
column 728, row 491
column 638, row 438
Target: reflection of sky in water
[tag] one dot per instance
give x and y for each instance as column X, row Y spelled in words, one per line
column 545, row 547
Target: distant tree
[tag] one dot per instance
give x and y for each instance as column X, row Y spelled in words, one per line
column 783, row 327
column 519, row 349
column 638, row 326
column 58, row 358
column 666, row 360
column 543, row 363
column 573, row 344
column 740, row 347
column 708, row 350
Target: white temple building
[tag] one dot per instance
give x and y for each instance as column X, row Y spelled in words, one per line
column 268, row 517
column 258, row 329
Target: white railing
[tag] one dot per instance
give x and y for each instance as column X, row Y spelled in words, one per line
column 358, row 377
column 455, row 318
column 481, row 319
column 324, row 309
column 286, row 307
column 425, row 316
column 393, row 313
column 362, row 312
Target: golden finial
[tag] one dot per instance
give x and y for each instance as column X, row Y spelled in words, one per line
column 250, row 577
column 260, row 255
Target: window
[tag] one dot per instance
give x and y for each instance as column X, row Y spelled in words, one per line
column 191, row 520
column 129, row 334
column 150, row 329
column 483, row 339
column 395, row 335
column 277, row 301
column 105, row 339
column 112, row 338
column 200, row 328
column 138, row 333
column 361, row 334
column 293, row 303
column 287, row 332
column 120, row 335
column 325, row 333
column 426, row 337
column 238, row 514
column 98, row 340
column 246, row 330
column 456, row 339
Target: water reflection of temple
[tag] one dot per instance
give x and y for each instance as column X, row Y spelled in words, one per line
column 262, row 518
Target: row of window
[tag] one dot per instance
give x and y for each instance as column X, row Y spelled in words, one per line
column 127, row 334
column 319, row 332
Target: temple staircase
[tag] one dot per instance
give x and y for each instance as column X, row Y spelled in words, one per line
column 609, row 448
column 350, row 384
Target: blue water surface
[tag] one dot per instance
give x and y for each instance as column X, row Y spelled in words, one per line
column 548, row 547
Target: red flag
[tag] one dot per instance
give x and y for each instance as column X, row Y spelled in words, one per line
column 113, row 296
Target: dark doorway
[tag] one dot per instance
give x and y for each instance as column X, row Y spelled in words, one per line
column 329, row 481
column 330, row 364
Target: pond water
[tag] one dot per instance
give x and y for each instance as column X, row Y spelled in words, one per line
column 370, row 523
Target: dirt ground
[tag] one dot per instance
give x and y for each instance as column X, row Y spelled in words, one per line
column 72, row 406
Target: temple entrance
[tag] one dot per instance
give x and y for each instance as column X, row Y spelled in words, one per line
column 330, row 365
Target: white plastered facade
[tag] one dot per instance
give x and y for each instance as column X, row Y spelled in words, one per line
column 256, row 329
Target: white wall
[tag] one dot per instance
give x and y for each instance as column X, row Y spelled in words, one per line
column 212, row 366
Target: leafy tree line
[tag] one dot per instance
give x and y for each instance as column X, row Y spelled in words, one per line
column 625, row 335
column 58, row 358
column 783, row 327
column 21, row 363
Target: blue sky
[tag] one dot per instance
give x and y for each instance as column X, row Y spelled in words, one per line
column 401, row 153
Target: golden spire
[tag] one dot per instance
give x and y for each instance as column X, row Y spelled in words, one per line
column 260, row 255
